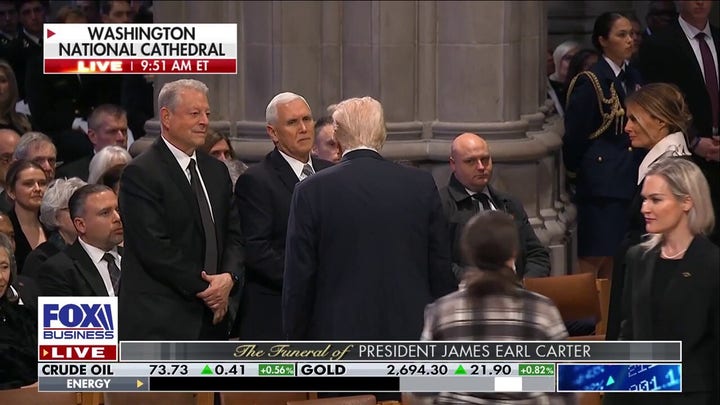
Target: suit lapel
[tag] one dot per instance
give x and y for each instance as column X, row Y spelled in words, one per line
column 87, row 269
column 283, row 170
column 177, row 176
column 683, row 45
column 644, row 287
column 213, row 192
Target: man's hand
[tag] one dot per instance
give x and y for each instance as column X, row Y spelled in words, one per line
column 219, row 314
column 708, row 149
column 217, row 293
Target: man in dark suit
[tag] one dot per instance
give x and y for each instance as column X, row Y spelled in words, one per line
column 678, row 55
column 107, row 125
column 263, row 195
column 469, row 191
column 367, row 246
column 90, row 266
column 183, row 246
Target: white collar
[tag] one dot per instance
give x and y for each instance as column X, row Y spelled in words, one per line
column 358, row 148
column 17, row 293
column 182, row 158
column 674, row 143
column 296, row 165
column 615, row 68
column 96, row 254
column 691, row 31
column 32, row 37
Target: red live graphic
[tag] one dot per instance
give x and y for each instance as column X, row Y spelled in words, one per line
column 77, row 352
column 140, row 66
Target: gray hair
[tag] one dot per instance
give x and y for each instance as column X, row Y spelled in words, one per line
column 56, row 198
column 685, row 179
column 27, row 140
column 107, row 157
column 168, row 96
column 6, row 244
column 282, row 98
column 360, row 122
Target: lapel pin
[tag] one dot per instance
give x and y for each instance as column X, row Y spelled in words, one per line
column 686, row 274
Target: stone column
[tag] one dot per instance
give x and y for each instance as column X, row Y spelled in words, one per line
column 439, row 68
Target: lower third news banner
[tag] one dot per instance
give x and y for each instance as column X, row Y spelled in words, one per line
column 461, row 366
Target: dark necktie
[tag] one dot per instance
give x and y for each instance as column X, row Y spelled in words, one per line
column 711, row 79
column 622, row 77
column 114, row 271
column 307, row 171
column 211, row 254
column 484, row 200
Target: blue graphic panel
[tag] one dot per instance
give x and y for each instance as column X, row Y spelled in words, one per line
column 619, row 377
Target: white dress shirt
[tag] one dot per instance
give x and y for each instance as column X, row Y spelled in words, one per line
column 296, row 165
column 96, row 256
column 691, row 32
column 184, row 160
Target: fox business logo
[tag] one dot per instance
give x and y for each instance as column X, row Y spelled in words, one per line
column 78, row 318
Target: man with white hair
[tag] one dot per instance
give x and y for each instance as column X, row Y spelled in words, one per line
column 367, row 244
column 183, row 248
column 263, row 196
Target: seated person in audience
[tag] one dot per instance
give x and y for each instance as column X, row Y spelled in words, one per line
column 91, row 265
column 111, row 177
column 70, row 15
column 55, row 215
column 8, row 142
column 18, row 324
column 26, row 187
column 492, row 305
column 562, row 56
column 108, row 157
column 326, row 147
column 107, row 126
column 9, row 118
column 7, row 229
column 218, row 145
column 37, row 147
column 469, row 192
column 671, row 281
column 583, row 60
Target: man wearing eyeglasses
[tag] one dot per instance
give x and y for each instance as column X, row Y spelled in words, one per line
column 8, row 142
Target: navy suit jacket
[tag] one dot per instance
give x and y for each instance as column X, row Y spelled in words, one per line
column 367, row 249
column 262, row 197
column 605, row 166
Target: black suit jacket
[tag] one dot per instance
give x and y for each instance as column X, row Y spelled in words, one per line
column 533, row 259
column 71, row 273
column 164, row 246
column 367, row 249
column 262, row 194
column 22, row 246
column 5, row 204
column 690, row 303
column 77, row 168
column 668, row 57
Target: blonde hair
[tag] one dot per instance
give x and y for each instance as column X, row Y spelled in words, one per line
column 685, row 179
column 360, row 122
column 8, row 114
column 665, row 102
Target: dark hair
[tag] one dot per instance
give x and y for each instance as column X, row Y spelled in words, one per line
column 18, row 167
column 214, row 137
column 76, row 204
column 107, row 5
column 577, row 63
column 321, row 122
column 603, row 25
column 111, row 176
column 488, row 241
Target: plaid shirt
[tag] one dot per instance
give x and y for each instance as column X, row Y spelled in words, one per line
column 495, row 317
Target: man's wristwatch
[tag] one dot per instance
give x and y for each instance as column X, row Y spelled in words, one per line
column 236, row 280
